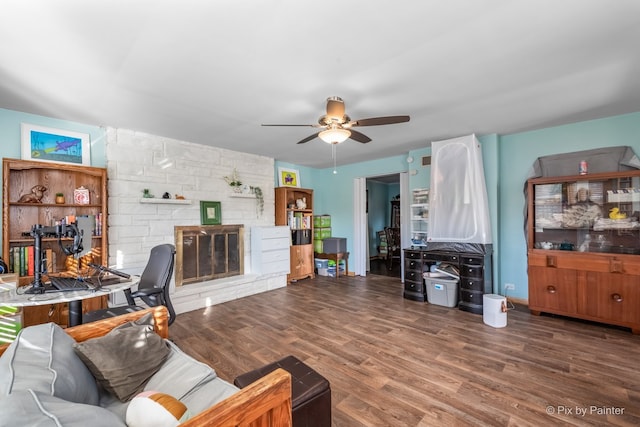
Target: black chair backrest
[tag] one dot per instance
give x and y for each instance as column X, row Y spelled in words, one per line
column 157, row 274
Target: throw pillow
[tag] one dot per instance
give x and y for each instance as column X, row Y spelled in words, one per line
column 42, row 358
column 124, row 359
column 155, row 409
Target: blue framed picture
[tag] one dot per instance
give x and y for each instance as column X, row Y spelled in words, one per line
column 55, row 145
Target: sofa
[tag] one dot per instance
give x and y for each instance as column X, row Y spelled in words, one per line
column 81, row 376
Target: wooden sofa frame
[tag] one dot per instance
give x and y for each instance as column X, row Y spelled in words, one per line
column 266, row 402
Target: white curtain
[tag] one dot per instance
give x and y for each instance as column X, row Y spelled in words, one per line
column 359, row 258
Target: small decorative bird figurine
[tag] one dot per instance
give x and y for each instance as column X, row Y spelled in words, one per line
column 614, row 213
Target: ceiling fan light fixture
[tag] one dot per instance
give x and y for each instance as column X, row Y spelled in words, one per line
column 334, row 136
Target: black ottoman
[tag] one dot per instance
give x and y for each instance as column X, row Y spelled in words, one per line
column 310, row 391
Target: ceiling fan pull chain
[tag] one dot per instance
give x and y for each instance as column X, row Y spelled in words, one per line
column 333, row 155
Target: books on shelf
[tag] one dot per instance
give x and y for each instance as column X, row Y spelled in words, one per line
column 300, row 220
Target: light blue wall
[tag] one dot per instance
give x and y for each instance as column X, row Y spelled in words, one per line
column 507, row 160
column 334, row 192
column 10, row 133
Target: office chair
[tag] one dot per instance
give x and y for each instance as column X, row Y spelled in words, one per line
column 153, row 288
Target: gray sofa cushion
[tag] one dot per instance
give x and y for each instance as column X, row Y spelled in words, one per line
column 42, row 359
column 193, row 383
column 35, row 409
column 124, row 359
column 180, row 374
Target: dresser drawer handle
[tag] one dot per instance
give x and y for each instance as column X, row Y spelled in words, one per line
column 551, row 289
column 616, row 297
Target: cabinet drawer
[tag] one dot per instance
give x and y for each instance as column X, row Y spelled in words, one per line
column 610, row 297
column 471, row 284
column 473, row 297
column 413, row 275
column 470, row 270
column 414, row 287
column 552, row 289
column 472, row 260
column 276, row 243
column 275, row 256
column 412, row 264
column 450, row 258
column 603, row 263
column 412, row 254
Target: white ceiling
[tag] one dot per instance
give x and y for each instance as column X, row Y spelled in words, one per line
column 211, row 72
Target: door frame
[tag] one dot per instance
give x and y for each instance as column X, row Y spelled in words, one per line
column 360, row 235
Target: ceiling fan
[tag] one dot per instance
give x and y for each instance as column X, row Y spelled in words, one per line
column 338, row 127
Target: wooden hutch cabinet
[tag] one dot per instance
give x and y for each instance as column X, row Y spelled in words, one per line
column 299, row 217
column 584, row 247
column 20, row 214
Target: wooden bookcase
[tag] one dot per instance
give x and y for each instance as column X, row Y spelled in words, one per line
column 300, row 221
column 19, row 218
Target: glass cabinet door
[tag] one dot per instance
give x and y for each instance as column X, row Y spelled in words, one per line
column 596, row 213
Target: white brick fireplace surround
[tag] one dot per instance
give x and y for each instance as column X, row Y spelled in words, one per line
column 136, row 161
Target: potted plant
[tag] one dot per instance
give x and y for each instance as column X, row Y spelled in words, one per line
column 234, row 181
column 259, row 199
column 60, row 198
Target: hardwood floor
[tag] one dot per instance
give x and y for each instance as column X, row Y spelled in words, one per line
column 395, row 362
column 379, row 267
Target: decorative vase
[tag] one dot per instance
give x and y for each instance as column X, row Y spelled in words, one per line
column 60, row 200
column 237, row 189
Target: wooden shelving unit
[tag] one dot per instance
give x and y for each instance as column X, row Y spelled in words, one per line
column 19, row 218
column 300, row 221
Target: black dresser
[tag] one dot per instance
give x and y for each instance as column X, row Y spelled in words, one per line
column 474, row 262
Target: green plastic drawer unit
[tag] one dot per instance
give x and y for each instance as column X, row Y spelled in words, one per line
column 321, row 233
column 322, row 221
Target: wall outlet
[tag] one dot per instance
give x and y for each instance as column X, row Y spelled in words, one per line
column 509, row 286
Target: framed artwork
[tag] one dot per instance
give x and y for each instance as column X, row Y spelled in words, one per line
column 55, row 145
column 210, row 213
column 288, row 177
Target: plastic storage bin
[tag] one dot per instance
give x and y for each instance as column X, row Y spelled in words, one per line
column 320, row 221
column 321, row 233
column 442, row 290
column 334, row 245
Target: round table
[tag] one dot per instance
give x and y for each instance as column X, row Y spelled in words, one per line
column 17, row 297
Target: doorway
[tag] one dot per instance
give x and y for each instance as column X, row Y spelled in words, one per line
column 384, row 206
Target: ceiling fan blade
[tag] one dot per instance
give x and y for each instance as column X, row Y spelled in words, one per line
column 313, row 126
column 360, row 137
column 309, row 138
column 376, row 121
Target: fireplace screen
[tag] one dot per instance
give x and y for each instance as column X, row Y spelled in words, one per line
column 208, row 252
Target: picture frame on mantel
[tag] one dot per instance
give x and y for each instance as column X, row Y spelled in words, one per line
column 288, row 177
column 210, row 213
column 47, row 144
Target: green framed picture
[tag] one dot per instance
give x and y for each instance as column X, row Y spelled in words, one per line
column 210, row 213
